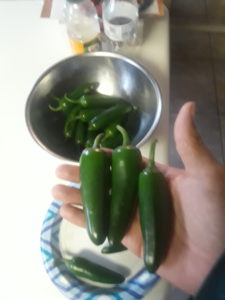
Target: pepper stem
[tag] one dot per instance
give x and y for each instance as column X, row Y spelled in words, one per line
column 57, row 108
column 126, row 140
column 151, row 162
column 97, row 140
column 71, row 100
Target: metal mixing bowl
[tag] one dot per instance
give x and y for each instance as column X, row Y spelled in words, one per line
column 117, row 75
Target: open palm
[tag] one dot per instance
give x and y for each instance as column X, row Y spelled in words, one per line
column 198, row 196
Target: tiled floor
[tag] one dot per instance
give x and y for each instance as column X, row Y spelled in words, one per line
column 198, row 69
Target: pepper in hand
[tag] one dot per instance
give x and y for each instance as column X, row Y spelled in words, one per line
column 113, row 248
column 95, row 179
column 126, row 166
column 155, row 211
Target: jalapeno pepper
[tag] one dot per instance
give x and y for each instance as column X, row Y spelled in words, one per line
column 112, row 138
column 70, row 123
column 113, row 248
column 111, row 130
column 90, row 138
column 110, row 115
column 111, row 142
column 85, row 268
column 155, row 213
column 95, row 100
column 126, row 165
column 85, row 115
column 95, row 185
column 80, row 133
column 83, row 89
column 62, row 104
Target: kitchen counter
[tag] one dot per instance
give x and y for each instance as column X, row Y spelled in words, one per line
column 28, row 46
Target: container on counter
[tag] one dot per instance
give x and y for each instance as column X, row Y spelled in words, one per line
column 120, row 22
column 83, row 26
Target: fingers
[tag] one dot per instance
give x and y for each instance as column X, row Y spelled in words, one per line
column 66, row 194
column 72, row 214
column 189, row 145
column 68, row 172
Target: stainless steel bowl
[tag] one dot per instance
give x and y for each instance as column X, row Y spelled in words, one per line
column 117, row 75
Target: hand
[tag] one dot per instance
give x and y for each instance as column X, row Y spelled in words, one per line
column 198, row 195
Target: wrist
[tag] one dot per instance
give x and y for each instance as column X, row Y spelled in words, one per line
column 213, row 286
column 186, row 269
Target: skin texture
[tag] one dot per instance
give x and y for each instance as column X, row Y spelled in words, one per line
column 198, row 199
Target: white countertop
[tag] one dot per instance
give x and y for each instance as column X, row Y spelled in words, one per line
column 28, row 46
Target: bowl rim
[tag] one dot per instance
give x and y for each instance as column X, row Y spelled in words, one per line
column 126, row 58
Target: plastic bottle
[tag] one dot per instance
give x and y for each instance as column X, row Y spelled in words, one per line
column 82, row 26
column 120, row 19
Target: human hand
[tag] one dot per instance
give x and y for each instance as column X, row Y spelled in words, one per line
column 198, row 198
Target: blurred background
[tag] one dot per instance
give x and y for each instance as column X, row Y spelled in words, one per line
column 198, row 69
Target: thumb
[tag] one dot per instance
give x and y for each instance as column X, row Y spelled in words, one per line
column 190, row 147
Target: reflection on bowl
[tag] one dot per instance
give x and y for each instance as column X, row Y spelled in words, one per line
column 117, row 75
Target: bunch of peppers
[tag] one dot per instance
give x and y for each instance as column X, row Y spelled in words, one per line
column 88, row 113
column 112, row 187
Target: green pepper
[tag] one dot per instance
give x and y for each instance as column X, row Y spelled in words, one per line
column 110, row 130
column 155, row 213
column 85, row 268
column 126, row 166
column 111, row 142
column 109, row 249
column 86, row 115
column 110, row 115
column 95, row 100
column 62, row 104
column 90, row 138
column 83, row 89
column 70, row 123
column 95, row 179
column 80, row 133
column 112, row 138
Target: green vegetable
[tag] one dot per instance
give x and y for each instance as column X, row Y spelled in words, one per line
column 113, row 248
column 95, row 179
column 101, row 112
column 111, row 142
column 80, row 133
column 110, row 130
column 83, row 89
column 70, row 123
column 110, row 115
column 86, row 115
column 95, row 101
column 126, row 166
column 85, row 268
column 62, row 105
column 155, row 213
column 90, row 138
